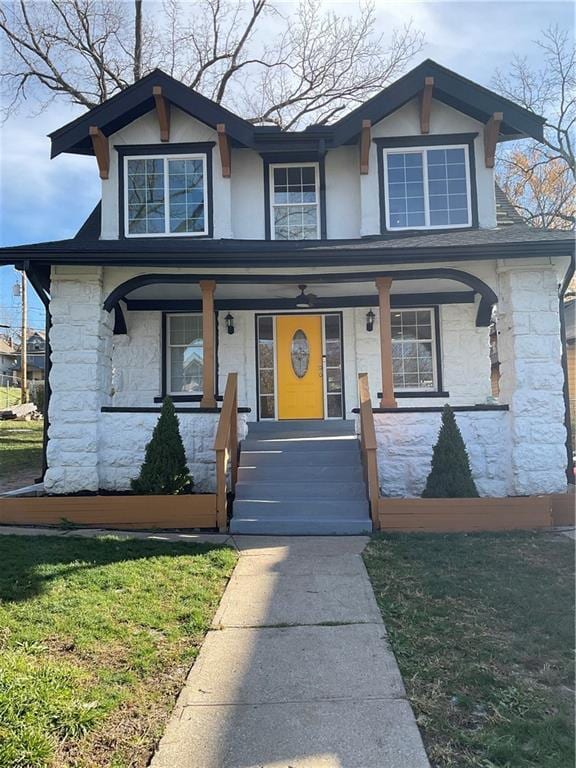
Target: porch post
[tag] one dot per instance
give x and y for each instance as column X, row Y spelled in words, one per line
column 209, row 340
column 383, row 285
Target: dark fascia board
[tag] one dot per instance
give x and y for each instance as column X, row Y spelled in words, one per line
column 452, row 89
column 265, row 254
column 137, row 100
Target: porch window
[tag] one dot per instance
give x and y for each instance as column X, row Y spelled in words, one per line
column 414, row 350
column 295, row 202
column 427, row 188
column 165, row 196
column 184, row 354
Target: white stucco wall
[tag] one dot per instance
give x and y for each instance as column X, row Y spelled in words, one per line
column 405, row 443
column 123, row 439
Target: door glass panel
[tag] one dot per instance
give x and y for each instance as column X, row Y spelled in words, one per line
column 266, row 367
column 333, row 361
column 300, row 354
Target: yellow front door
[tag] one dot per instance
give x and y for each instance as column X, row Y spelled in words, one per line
column 299, row 367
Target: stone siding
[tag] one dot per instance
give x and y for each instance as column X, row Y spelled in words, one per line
column 405, row 443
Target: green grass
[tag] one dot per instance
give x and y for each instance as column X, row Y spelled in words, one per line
column 483, row 629
column 9, row 396
column 20, row 448
column 96, row 638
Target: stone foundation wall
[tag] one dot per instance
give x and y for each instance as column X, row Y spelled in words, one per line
column 405, row 443
column 123, row 439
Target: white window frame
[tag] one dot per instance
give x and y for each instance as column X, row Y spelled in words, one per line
column 273, row 205
column 166, row 158
column 434, row 341
column 167, row 356
column 424, row 152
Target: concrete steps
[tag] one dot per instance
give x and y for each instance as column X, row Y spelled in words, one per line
column 301, row 478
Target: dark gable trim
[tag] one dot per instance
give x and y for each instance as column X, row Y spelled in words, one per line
column 438, row 408
column 287, row 158
column 487, row 300
column 398, row 301
column 393, row 142
column 190, row 148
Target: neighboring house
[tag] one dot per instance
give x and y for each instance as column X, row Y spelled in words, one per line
column 7, row 358
column 377, row 244
column 35, row 357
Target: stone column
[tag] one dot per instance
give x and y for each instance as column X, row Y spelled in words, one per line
column 531, row 380
column 209, row 343
column 80, row 378
column 383, row 285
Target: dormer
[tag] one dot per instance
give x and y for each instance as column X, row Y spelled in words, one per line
column 418, row 157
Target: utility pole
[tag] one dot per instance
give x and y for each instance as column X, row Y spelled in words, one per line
column 24, row 343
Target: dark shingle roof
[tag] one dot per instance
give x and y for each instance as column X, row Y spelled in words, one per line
column 506, row 214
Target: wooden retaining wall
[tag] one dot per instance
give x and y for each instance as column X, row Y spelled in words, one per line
column 465, row 515
column 122, row 512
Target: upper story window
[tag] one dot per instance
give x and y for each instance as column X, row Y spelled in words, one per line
column 295, row 202
column 165, row 196
column 427, row 188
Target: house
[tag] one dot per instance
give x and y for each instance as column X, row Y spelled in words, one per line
column 7, row 357
column 300, row 259
column 35, row 357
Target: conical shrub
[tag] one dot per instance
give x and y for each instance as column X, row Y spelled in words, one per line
column 164, row 470
column 450, row 476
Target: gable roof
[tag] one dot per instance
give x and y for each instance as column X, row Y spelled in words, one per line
column 136, row 100
column 449, row 87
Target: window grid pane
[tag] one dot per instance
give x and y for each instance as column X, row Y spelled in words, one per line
column 295, row 203
column 413, row 349
column 427, row 188
column 185, row 354
column 266, row 370
column 165, row 196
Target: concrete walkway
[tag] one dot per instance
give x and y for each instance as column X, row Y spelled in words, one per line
column 296, row 671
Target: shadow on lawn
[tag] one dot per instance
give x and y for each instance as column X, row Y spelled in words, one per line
column 27, row 564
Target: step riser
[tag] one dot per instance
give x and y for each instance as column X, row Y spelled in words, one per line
column 301, row 528
column 303, row 490
column 336, row 427
column 346, row 445
column 258, row 509
column 292, row 460
column 300, row 474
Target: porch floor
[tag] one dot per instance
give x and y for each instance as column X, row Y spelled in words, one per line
column 301, row 478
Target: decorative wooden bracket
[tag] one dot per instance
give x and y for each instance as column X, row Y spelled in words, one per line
column 224, row 146
column 100, row 146
column 365, row 146
column 491, row 131
column 163, row 112
column 426, row 104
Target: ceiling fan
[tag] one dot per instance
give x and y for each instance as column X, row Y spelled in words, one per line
column 305, row 300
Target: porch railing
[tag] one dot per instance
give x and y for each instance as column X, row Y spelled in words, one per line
column 368, row 447
column 226, row 447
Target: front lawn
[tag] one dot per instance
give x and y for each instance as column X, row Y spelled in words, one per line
column 483, row 629
column 20, row 453
column 96, row 639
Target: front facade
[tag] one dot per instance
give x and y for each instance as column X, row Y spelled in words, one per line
column 377, row 245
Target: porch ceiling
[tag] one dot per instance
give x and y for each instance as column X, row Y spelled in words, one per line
column 187, row 292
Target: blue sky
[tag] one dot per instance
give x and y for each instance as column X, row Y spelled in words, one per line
column 43, row 199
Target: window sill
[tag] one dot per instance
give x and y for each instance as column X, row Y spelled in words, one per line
column 185, row 398
column 417, row 393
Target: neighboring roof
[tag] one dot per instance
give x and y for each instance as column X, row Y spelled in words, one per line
column 506, row 214
column 6, row 348
column 449, row 87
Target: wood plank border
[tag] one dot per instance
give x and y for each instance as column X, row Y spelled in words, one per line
column 465, row 515
column 564, row 508
column 193, row 511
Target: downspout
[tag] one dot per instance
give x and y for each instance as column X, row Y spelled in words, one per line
column 36, row 282
column 567, row 416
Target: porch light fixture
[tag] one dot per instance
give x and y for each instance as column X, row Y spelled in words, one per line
column 229, row 323
column 305, row 300
column 370, row 321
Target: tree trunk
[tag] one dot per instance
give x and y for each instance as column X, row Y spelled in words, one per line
column 137, row 40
